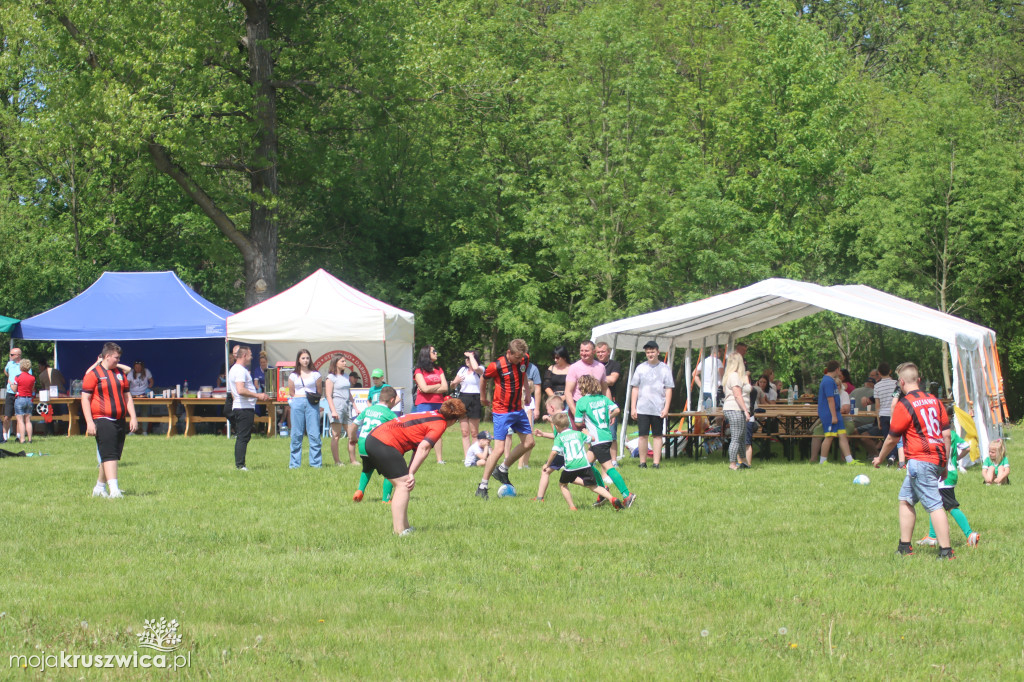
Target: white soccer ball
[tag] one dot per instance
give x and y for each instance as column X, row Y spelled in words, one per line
column 507, row 490
column 861, row 479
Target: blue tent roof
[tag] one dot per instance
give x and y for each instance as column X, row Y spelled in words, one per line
column 126, row 306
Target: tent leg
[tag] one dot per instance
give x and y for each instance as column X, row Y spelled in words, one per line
column 625, row 410
column 226, row 361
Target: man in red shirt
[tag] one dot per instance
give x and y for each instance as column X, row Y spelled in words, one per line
column 921, row 420
column 387, row 444
column 511, row 393
column 106, row 401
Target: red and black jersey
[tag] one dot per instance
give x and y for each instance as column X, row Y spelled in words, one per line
column 107, row 387
column 921, row 418
column 508, row 383
column 408, row 431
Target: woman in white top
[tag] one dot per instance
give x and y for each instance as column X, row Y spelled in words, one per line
column 467, row 380
column 735, row 408
column 305, row 415
column 338, row 391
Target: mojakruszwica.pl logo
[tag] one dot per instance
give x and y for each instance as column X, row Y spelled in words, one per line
column 160, row 636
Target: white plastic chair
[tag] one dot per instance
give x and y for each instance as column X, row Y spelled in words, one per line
column 325, row 419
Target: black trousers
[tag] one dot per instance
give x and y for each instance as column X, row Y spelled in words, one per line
column 243, row 420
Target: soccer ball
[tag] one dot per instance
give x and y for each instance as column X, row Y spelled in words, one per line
column 861, row 479
column 507, row 490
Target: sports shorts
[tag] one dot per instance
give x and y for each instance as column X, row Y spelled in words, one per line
column 602, row 452
column 388, row 461
column 505, row 422
column 649, row 424
column 587, row 475
column 948, row 496
column 110, row 439
column 9, row 403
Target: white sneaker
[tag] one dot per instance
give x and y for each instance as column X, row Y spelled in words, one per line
column 241, row 468
column 99, row 492
column 407, row 531
column 115, row 495
column 929, row 541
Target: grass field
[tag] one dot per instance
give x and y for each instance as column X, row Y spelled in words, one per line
column 785, row 571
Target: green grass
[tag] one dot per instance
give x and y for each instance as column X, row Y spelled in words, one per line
column 782, row 572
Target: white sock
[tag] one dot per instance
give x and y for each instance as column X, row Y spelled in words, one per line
column 112, row 486
column 849, row 458
column 483, row 483
column 99, row 487
column 502, row 468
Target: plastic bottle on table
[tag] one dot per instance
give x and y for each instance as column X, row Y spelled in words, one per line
column 185, row 387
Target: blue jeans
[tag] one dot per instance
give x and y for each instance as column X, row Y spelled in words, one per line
column 305, row 422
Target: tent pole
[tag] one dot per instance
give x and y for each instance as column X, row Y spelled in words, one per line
column 625, row 410
column 687, row 371
column 227, row 381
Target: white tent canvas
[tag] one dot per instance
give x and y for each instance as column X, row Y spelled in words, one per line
column 773, row 302
column 324, row 315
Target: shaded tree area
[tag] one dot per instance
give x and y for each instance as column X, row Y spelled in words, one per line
column 524, row 168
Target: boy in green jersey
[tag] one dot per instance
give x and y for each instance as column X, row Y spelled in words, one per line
column 597, row 411
column 376, row 386
column 369, row 419
column 957, row 446
column 572, row 447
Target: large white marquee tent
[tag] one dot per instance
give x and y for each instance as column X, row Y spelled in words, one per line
column 323, row 314
column 977, row 381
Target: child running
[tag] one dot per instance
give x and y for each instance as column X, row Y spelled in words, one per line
column 572, row 447
column 995, row 465
column 957, row 446
column 553, row 406
column 369, row 419
column 597, row 411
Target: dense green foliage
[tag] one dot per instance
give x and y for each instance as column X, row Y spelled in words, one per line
column 524, row 168
column 783, row 572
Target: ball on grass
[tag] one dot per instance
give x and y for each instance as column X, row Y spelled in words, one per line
column 507, row 490
column 861, row 479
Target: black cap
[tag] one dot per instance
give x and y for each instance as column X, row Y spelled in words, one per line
column 651, row 344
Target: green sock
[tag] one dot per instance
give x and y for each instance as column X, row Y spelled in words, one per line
column 616, row 477
column 364, row 478
column 961, row 520
column 388, row 487
column 598, row 474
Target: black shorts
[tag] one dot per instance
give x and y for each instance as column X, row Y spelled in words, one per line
column 388, row 461
column 949, row 502
column 473, row 408
column 602, row 452
column 649, row 423
column 110, row 439
column 9, row 404
column 587, row 475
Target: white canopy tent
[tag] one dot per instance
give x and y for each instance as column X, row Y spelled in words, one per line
column 324, row 315
column 977, row 382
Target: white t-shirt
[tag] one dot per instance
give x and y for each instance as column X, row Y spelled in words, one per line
column 650, row 382
column 470, row 380
column 773, row 393
column 709, row 378
column 239, row 373
column 473, row 454
column 138, row 384
column 299, row 387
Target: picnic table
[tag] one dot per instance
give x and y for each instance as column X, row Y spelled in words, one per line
column 74, row 406
column 794, row 425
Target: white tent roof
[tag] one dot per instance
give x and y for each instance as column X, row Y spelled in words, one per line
column 321, row 308
column 773, row 302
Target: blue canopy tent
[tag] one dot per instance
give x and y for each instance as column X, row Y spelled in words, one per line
column 153, row 316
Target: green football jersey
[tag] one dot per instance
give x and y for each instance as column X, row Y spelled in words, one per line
column 369, row 419
column 595, row 411
column 572, row 445
column 373, row 397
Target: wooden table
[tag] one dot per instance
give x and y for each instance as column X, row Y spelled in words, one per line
column 74, row 406
column 795, row 423
column 191, row 418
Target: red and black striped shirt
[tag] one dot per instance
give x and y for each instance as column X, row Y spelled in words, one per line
column 508, row 383
column 920, row 418
column 107, row 388
column 408, row 431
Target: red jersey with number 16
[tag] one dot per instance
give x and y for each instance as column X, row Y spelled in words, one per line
column 107, row 388
column 408, row 431
column 920, row 418
column 508, row 383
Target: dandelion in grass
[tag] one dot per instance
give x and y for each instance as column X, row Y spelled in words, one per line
column 792, row 645
column 704, row 633
column 85, row 625
column 783, row 631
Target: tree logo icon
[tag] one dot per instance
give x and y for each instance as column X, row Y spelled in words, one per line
column 160, row 635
